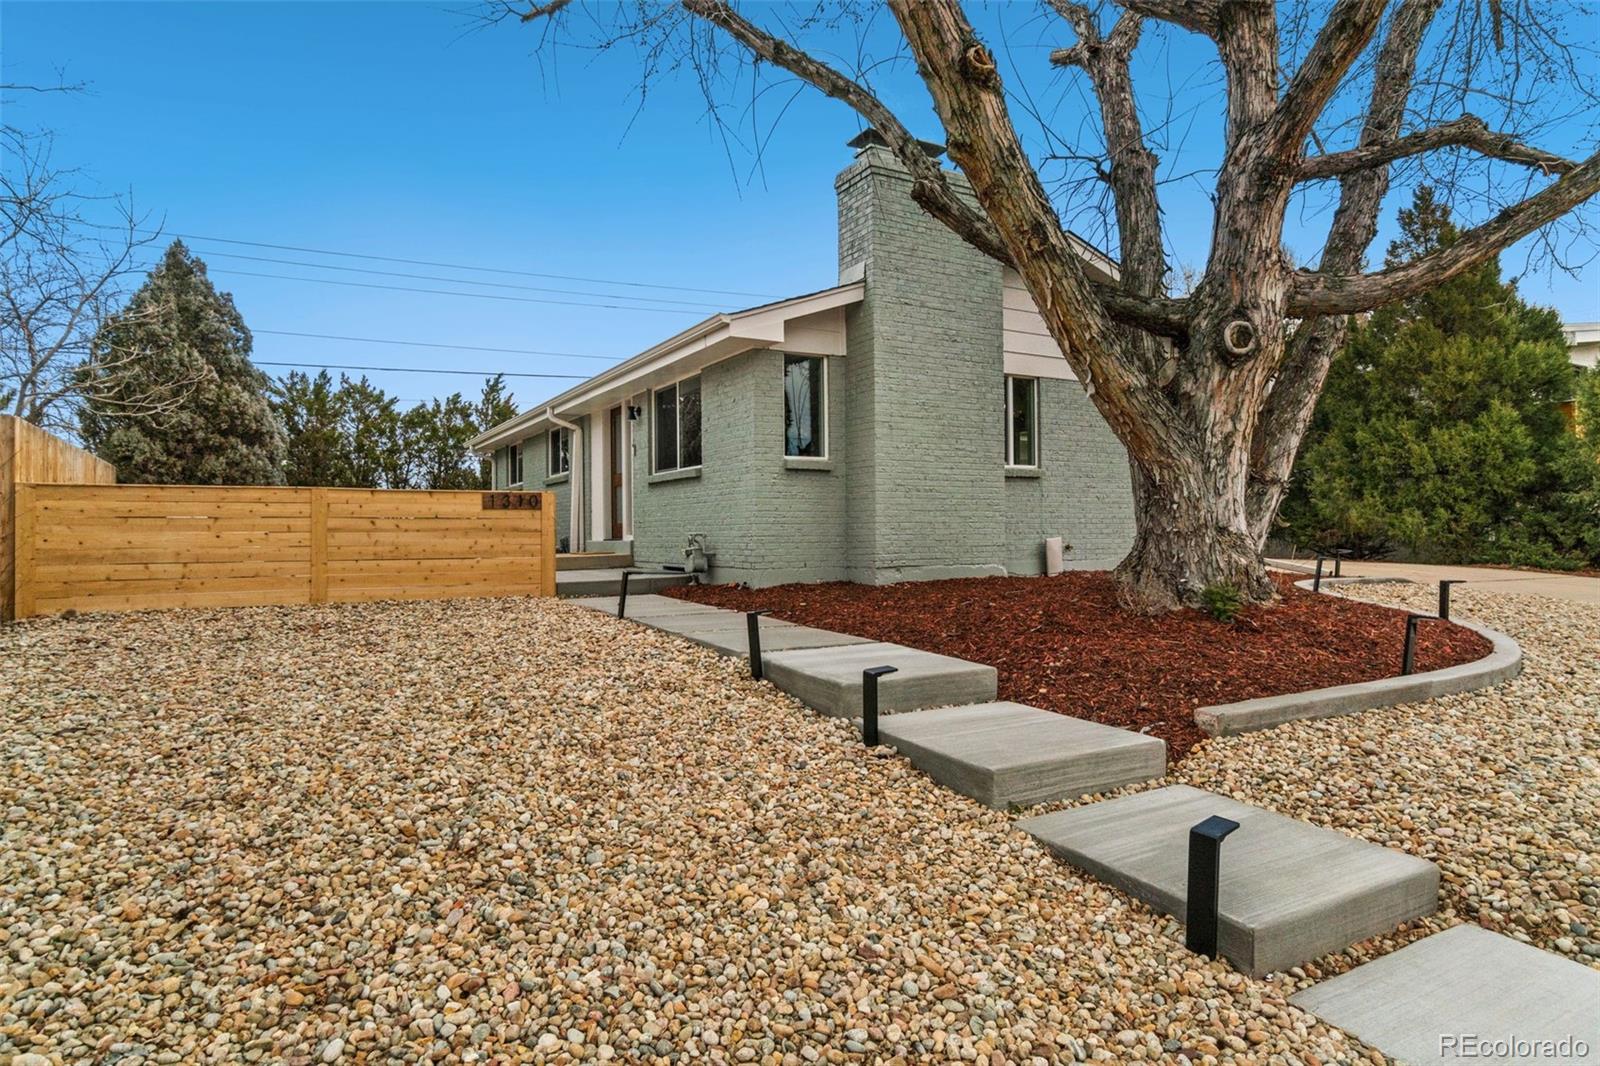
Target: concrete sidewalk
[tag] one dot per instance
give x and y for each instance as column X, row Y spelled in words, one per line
column 1531, row 582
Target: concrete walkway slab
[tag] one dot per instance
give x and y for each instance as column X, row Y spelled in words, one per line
column 1424, row 1003
column 1290, row 891
column 728, row 632
column 648, row 605
column 1006, row 754
column 829, row 679
column 609, row 582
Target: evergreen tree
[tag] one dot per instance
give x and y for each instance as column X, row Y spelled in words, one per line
column 374, row 436
column 178, row 333
column 1440, row 429
column 313, row 414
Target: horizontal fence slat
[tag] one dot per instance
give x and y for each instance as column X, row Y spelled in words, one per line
column 128, row 547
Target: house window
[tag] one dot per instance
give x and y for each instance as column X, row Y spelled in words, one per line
column 1022, row 421
column 676, row 413
column 805, row 406
column 514, row 464
column 560, row 452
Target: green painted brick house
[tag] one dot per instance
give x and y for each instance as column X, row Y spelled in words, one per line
column 914, row 421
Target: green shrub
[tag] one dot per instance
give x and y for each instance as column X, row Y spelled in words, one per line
column 1223, row 602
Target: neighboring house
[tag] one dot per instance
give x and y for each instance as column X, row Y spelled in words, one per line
column 915, row 421
column 1583, row 343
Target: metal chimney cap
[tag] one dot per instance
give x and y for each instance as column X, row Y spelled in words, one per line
column 871, row 138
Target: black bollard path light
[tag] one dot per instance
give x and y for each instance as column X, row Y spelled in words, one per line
column 1205, row 878
column 622, row 598
column 752, row 621
column 1444, row 597
column 869, row 703
column 1408, row 656
column 1316, row 582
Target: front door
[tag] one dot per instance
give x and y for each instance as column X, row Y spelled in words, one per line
column 614, row 450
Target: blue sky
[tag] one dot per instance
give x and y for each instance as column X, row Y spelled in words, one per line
column 405, row 130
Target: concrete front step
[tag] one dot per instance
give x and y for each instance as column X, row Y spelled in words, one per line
column 609, row 583
column 1421, row 1003
column 1290, row 892
column 1010, row 754
column 647, row 605
column 593, row 560
column 829, row 679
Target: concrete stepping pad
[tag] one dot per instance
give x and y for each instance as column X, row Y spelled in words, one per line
column 1424, row 1002
column 648, row 605
column 729, row 633
column 1290, row 891
column 829, row 679
column 1004, row 754
column 588, row 583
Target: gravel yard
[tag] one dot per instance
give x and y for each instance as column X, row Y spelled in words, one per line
column 517, row 830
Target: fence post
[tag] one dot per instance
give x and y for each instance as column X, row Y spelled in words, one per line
column 319, row 546
column 22, row 535
column 1205, row 877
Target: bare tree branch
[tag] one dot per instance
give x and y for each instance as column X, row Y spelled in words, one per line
column 1290, row 404
column 1468, row 131
column 1317, row 293
column 965, row 85
column 1201, row 16
column 1349, row 28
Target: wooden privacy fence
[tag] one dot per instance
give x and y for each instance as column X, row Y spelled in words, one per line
column 28, row 453
column 132, row 547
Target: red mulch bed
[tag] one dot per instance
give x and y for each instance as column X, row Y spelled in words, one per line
column 1063, row 643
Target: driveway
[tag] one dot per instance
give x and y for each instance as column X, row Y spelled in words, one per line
column 1521, row 582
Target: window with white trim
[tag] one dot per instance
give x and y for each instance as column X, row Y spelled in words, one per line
column 514, row 464
column 675, row 414
column 559, row 452
column 1022, row 422
column 805, row 407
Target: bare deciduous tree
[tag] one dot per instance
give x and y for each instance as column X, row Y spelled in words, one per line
column 60, row 276
column 1210, row 391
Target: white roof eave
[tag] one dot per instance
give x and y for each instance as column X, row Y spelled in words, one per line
column 716, row 338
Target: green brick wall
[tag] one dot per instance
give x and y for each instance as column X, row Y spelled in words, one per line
column 767, row 521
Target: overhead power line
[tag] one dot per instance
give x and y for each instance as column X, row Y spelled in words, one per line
column 473, row 295
column 699, row 304
column 432, row 344
column 436, row 263
column 418, row 370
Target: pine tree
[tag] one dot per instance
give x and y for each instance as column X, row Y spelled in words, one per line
column 179, row 335
column 1441, row 429
column 313, row 414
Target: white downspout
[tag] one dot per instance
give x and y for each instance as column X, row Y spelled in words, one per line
column 574, row 479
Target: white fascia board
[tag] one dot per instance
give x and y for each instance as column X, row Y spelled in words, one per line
column 716, row 338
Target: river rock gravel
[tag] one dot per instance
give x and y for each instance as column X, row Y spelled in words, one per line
column 517, row 830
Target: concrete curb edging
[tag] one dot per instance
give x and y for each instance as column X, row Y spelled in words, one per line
column 1503, row 663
